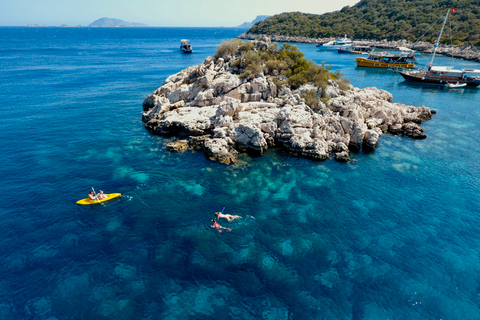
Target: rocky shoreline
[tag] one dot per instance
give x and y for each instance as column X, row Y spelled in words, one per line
column 210, row 108
column 465, row 52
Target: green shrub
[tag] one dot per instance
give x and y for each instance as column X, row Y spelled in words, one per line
column 278, row 83
column 310, row 98
column 249, row 58
column 245, row 74
column 228, row 48
column 343, row 84
column 287, row 61
column 277, row 65
column 235, row 63
column 246, row 46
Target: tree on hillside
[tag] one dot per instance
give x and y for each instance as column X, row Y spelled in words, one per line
column 380, row 19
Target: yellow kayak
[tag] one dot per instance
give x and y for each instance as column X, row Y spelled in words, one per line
column 110, row 196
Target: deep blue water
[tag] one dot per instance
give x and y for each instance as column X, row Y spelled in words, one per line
column 391, row 235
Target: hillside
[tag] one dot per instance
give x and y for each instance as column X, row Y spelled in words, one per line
column 109, row 22
column 383, row 19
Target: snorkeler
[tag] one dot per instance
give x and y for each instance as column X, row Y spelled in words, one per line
column 229, row 217
column 219, row 227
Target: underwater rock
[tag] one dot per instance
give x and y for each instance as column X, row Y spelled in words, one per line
column 38, row 308
column 223, row 114
column 178, row 145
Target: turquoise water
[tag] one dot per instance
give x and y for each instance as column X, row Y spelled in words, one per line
column 391, row 235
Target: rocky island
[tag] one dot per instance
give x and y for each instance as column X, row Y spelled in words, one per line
column 252, row 96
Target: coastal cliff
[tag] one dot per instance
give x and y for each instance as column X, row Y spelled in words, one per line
column 222, row 109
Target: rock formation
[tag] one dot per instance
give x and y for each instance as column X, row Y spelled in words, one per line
column 212, row 109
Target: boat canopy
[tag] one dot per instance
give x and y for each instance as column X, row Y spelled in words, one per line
column 448, row 71
column 470, row 70
column 405, row 49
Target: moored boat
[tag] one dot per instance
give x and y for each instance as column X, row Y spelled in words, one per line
column 335, row 44
column 185, row 46
column 444, row 75
column 355, row 49
column 387, row 60
column 456, row 85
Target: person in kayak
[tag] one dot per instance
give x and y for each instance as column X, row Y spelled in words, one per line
column 101, row 195
column 229, row 217
column 215, row 225
column 92, row 195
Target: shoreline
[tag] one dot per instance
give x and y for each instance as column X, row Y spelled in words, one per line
column 469, row 52
column 213, row 108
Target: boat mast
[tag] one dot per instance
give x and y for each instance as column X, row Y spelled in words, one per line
column 438, row 41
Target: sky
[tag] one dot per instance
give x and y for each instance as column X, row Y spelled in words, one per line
column 156, row 13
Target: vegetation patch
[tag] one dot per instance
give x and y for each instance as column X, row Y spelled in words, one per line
column 286, row 65
column 380, row 19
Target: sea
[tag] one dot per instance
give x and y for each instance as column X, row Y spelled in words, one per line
column 392, row 234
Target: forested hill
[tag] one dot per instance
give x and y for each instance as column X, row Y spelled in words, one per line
column 383, row 19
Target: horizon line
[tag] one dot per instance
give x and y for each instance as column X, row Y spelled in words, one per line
column 82, row 26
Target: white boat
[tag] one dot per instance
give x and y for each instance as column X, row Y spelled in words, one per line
column 456, row 85
column 355, row 49
column 335, row 44
column 185, row 46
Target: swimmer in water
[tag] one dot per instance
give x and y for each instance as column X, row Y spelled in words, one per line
column 229, row 217
column 219, row 227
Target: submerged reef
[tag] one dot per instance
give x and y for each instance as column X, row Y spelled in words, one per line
column 228, row 104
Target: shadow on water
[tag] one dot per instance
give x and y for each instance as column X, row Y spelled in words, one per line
column 432, row 87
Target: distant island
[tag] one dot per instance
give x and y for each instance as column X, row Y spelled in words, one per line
column 247, row 25
column 110, row 22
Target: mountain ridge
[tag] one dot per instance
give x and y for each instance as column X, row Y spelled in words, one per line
column 112, row 22
column 250, row 24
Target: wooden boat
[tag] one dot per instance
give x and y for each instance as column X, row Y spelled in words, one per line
column 387, row 60
column 110, row 196
column 185, row 46
column 443, row 75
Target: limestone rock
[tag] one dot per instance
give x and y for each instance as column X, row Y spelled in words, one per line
column 223, row 115
column 219, row 150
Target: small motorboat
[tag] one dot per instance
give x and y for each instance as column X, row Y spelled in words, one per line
column 456, row 85
column 185, row 46
column 335, row 44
